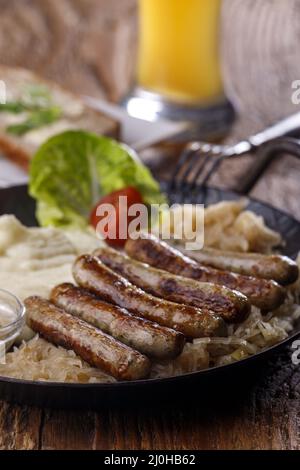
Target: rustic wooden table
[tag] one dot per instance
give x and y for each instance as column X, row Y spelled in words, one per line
column 265, row 415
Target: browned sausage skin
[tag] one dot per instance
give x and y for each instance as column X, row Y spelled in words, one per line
column 279, row 268
column 90, row 273
column 147, row 337
column 232, row 306
column 90, row 343
column 265, row 294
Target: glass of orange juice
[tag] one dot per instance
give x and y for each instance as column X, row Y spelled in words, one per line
column 178, row 66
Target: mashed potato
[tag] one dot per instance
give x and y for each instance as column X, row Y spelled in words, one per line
column 34, row 260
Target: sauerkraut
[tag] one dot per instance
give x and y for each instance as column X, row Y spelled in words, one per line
column 39, row 360
column 250, row 337
column 227, row 226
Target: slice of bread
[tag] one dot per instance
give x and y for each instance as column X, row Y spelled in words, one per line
column 75, row 115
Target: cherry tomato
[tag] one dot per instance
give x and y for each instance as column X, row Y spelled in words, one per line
column 109, row 224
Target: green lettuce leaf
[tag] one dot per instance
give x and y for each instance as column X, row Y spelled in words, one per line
column 71, row 171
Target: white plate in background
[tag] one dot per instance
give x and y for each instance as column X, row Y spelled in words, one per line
column 138, row 133
column 11, row 174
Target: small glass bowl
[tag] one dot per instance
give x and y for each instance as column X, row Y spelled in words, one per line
column 12, row 318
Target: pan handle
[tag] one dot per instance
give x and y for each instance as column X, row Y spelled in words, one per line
column 288, row 126
column 263, row 158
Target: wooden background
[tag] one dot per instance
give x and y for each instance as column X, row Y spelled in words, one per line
column 89, row 46
column 86, row 45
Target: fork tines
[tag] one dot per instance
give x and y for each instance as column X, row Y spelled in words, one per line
column 195, row 166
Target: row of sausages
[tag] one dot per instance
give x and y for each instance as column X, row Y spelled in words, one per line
column 131, row 308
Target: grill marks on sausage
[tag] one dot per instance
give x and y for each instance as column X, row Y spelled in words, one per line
column 230, row 305
column 215, row 302
column 92, row 274
column 275, row 267
column 265, row 294
column 145, row 336
column 91, row 344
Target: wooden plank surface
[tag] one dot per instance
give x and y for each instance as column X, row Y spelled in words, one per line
column 265, row 416
column 89, row 46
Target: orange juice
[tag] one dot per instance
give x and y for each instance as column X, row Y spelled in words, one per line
column 178, row 50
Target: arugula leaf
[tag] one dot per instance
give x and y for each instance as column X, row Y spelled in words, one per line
column 35, row 97
column 36, row 120
column 37, row 103
column 72, row 170
column 15, row 107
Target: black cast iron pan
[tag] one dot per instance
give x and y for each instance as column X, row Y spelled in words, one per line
column 233, row 377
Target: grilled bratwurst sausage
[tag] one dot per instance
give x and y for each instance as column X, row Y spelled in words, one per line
column 90, row 273
column 265, row 294
column 147, row 337
column 91, row 344
column 279, row 268
column 231, row 305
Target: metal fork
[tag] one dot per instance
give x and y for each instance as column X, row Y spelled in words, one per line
column 199, row 160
